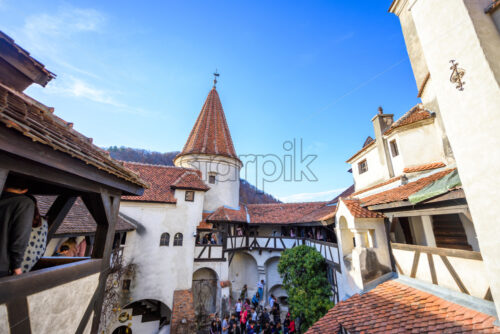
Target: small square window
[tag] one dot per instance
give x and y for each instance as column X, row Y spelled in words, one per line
column 362, row 167
column 189, row 196
column 126, row 285
column 394, row 148
column 211, row 179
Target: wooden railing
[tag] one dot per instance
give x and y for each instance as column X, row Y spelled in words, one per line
column 454, row 269
column 204, row 253
column 328, row 250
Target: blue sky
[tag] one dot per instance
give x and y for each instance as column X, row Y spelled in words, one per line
column 137, row 74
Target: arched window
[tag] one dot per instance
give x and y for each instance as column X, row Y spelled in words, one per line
column 178, row 239
column 165, row 239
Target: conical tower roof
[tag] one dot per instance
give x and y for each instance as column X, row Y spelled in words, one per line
column 210, row 134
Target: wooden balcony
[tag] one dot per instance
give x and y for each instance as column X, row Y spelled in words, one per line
column 209, row 253
column 328, row 250
column 455, row 269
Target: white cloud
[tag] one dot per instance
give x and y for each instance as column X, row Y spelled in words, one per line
column 310, row 197
column 69, row 86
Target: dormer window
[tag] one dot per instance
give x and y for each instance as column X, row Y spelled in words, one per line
column 189, row 196
column 394, row 148
column 362, row 167
column 211, row 178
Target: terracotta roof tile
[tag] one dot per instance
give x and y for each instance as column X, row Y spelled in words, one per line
column 210, row 134
column 346, row 193
column 78, row 221
column 424, row 167
column 204, row 225
column 393, row 307
column 402, row 193
column 227, row 214
column 376, row 186
column 37, row 122
column 163, row 180
column 276, row 213
column 355, row 208
column 415, row 114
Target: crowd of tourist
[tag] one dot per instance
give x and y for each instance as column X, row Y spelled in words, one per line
column 253, row 317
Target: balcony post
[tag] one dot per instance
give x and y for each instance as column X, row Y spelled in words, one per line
column 428, row 231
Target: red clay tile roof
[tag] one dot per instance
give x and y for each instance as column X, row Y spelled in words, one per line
column 354, row 207
column 402, row 193
column 282, row 213
column 227, row 214
column 78, row 221
column 37, row 122
column 275, row 213
column 346, row 193
column 420, row 168
column 376, row 186
column 204, row 225
column 210, row 134
column 415, row 114
column 393, row 307
column 163, row 180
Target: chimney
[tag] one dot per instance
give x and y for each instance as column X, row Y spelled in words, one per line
column 381, row 122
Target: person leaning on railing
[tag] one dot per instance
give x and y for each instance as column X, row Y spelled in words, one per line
column 16, row 218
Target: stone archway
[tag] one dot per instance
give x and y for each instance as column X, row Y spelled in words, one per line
column 273, row 277
column 205, row 292
column 122, row 330
column 243, row 270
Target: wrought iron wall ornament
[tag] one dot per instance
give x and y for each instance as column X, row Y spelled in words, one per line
column 457, row 74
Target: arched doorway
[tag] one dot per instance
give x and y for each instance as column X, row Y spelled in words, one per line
column 122, row 330
column 145, row 312
column 243, row 270
column 272, row 275
column 205, row 291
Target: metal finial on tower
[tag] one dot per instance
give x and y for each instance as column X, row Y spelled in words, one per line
column 215, row 77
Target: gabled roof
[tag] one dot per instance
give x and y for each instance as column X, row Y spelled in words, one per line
column 78, row 221
column 402, row 192
column 275, row 213
column 415, row 114
column 37, row 122
column 163, row 181
column 393, row 307
column 357, row 211
column 210, row 134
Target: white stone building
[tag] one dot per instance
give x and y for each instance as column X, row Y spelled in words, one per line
column 181, row 279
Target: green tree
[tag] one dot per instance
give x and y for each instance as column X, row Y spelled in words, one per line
column 304, row 278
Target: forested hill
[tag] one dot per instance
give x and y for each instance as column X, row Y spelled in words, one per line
column 249, row 194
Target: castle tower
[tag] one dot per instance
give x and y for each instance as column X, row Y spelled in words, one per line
column 210, row 149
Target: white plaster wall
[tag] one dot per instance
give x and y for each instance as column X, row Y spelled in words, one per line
column 221, row 268
column 471, row 272
column 226, row 190
column 460, row 30
column 161, row 270
column 4, row 320
column 418, row 230
column 397, row 161
column 243, row 270
column 421, row 145
column 272, row 275
column 470, row 232
column 376, row 171
column 67, row 304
